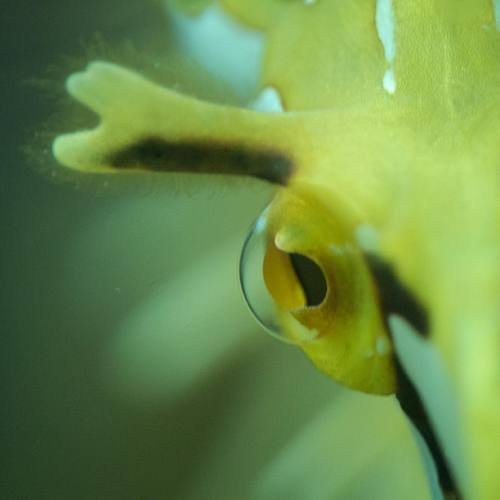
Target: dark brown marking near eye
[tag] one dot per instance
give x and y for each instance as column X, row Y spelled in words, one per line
column 395, row 298
column 157, row 155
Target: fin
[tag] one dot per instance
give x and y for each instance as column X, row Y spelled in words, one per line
column 144, row 126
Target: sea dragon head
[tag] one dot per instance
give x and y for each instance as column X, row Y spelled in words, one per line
column 384, row 231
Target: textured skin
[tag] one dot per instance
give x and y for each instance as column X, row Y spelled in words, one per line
column 421, row 165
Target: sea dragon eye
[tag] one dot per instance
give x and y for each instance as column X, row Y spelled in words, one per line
column 273, row 279
column 307, row 282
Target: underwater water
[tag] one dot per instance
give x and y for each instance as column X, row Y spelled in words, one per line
column 132, row 368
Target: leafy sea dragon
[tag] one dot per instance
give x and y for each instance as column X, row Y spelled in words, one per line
column 380, row 252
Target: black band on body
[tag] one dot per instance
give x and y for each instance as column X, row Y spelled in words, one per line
column 158, row 155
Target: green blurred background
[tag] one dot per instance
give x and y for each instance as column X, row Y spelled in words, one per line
column 132, row 369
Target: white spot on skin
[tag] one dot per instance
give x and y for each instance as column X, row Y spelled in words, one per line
column 309, row 2
column 390, row 81
column 382, row 346
column 268, row 101
column 384, row 19
column 367, row 237
column 386, row 28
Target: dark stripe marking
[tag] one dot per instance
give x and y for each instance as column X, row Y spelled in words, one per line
column 157, row 155
column 411, row 403
column 395, row 298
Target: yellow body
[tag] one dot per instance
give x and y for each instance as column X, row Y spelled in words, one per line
column 391, row 122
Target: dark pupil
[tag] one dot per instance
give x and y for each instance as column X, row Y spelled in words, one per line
column 311, row 278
